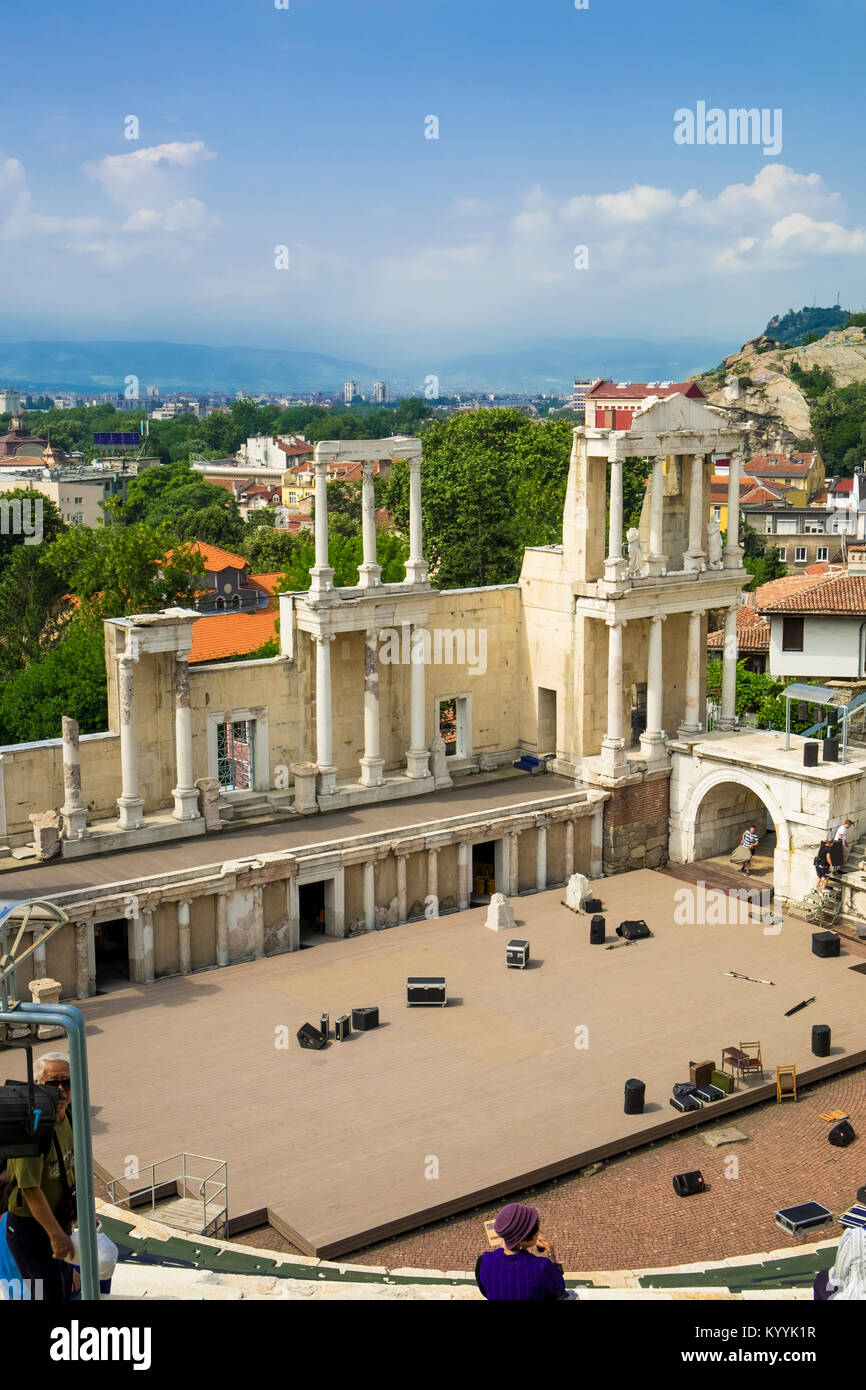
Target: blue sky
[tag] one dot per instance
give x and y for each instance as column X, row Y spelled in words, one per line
column 305, row 127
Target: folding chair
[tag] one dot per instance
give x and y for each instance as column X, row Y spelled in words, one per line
column 786, row 1082
column 753, row 1057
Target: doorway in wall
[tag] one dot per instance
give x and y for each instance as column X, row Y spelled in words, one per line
column 111, row 954
column 311, row 912
column 235, row 755
column 454, row 726
column 483, row 872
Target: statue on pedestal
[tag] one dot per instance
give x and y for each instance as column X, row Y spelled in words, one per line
column 714, row 546
column 635, row 554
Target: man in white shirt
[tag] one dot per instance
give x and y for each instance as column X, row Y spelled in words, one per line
column 841, row 839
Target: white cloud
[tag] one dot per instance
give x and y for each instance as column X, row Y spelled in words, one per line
column 187, row 215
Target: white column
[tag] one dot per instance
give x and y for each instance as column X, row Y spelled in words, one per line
column 541, row 856
column 402, row 893
column 732, row 555
column 143, row 936
column 433, row 880
column 417, row 756
column 657, row 560
column 369, row 573
column 185, row 793
column 184, row 948
column 85, row 974
column 568, row 853
column 652, row 740
column 324, row 717
column 222, row 929
column 692, row 721
column 464, row 873
column 258, row 928
column 596, row 843
column 322, row 576
column 416, row 565
column 335, row 904
column 129, row 803
column 614, row 565
column 613, row 745
column 513, row 863
column 293, row 924
column 73, row 811
column 728, row 718
column 370, row 895
column 694, row 558
column 372, row 764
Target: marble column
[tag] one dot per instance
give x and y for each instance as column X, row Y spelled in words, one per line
column 568, row 853
column 614, row 565
column 293, row 918
column 728, row 718
column 335, row 905
column 40, row 962
column 417, row 755
column 694, row 559
column 652, row 741
column 372, row 763
column 129, row 803
column 657, row 560
column 596, row 843
column 73, row 811
column 324, row 716
column 732, row 554
column 370, row 895
column 186, row 792
column 416, row 565
column 541, row 857
column 692, row 721
column 464, row 873
column 513, row 863
column 613, row 752
column 141, row 966
column 321, row 575
column 258, row 922
column 184, row 946
column 222, row 929
column 85, row 971
column 402, row 893
column 369, row 573
column 433, row 878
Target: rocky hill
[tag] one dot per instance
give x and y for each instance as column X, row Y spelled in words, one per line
column 756, row 383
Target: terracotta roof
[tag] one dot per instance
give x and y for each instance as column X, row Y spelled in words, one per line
column 639, row 390
column 226, row 483
column 215, row 558
column 789, row 584
column 841, row 484
column 231, row 634
column 267, row 583
column 296, row 450
column 758, row 495
column 781, row 465
column 831, row 593
column 753, row 632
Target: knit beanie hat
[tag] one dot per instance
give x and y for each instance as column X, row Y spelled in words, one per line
column 515, row 1223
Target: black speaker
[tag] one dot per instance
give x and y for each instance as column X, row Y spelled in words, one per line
column 635, row 1092
column 426, row 989
column 831, row 750
column 820, row 1040
column 633, row 931
column 309, row 1036
column 342, row 1027
column 324, row 1027
column 596, row 931
column 592, row 905
column 810, row 753
column 687, row 1184
column 825, row 944
column 842, row 1134
column 365, row 1018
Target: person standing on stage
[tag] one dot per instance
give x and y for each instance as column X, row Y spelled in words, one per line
column 749, row 841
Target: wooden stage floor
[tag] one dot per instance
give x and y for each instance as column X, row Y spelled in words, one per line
column 440, row 1109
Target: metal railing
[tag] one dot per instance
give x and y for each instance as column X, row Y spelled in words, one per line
column 214, row 1224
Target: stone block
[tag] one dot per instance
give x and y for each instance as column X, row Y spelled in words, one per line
column 47, row 991
column 500, row 914
column 208, row 802
column 577, row 890
column 46, row 833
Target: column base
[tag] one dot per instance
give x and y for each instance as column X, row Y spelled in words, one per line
column 613, row 755
column 74, row 823
column 372, row 774
column 689, row 730
column 416, row 572
column 369, row 576
column 185, row 803
column 694, row 561
column 327, row 780
column 655, row 566
column 732, row 558
column 130, row 810
column 321, row 580
column 615, row 570
column 728, row 725
column 418, row 763
column 654, row 747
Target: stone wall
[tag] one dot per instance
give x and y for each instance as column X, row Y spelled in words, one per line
column 636, row 825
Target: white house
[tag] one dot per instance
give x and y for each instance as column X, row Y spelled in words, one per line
column 819, row 629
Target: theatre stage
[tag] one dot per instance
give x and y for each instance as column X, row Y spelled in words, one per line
column 440, row 1109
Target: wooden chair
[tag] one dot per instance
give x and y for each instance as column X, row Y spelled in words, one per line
column 753, row 1057
column 786, row 1082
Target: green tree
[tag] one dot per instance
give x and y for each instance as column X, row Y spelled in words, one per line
column 268, row 550
column 37, row 513
column 214, row 524
column 763, row 563
column 70, row 679
column 33, row 608
column 838, row 420
column 116, row 570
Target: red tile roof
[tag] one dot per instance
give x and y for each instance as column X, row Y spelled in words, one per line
column 841, row 484
column 267, row 583
column 231, row 634
column 758, row 495
column 781, row 465
column 753, row 632
column 639, row 390
column 215, row 558
column 297, row 450
column 831, row 593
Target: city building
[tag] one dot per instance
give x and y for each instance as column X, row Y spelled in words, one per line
column 614, row 405
column 351, row 389
column 818, row 627
column 381, row 392
column 18, row 442
column 579, row 393
column 10, row 401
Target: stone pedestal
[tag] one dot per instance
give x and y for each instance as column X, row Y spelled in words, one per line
column 305, row 787
column 439, row 758
column 577, row 890
column 47, row 992
column 208, row 802
column 46, row 833
column 500, row 914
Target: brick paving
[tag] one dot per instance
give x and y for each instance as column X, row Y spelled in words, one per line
column 627, row 1215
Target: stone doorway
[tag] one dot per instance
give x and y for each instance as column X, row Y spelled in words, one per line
column 111, row 955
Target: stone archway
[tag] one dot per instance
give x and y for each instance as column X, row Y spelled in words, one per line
column 715, row 812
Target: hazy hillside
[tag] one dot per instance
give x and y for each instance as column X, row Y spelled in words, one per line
column 797, row 324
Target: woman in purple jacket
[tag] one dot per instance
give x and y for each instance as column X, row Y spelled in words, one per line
column 524, row 1267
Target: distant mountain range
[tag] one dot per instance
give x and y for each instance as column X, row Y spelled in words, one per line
column 540, row 365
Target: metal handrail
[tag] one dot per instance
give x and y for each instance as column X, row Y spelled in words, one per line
column 185, row 1178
